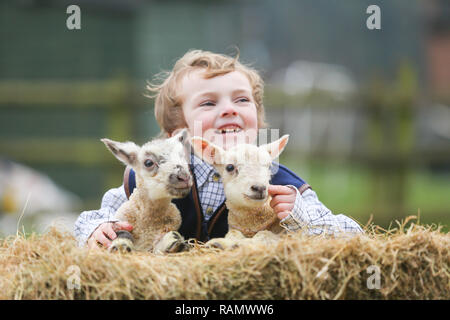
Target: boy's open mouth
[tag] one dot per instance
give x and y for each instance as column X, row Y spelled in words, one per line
column 228, row 129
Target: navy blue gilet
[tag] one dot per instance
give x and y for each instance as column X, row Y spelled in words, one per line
column 193, row 223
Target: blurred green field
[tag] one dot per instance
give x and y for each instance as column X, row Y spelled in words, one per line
column 347, row 188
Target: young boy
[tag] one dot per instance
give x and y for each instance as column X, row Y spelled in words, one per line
column 224, row 98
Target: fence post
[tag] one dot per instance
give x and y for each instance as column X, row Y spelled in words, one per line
column 390, row 142
column 119, row 123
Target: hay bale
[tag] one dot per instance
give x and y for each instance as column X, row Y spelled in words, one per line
column 413, row 264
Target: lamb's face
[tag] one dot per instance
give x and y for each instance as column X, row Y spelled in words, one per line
column 245, row 172
column 245, row 168
column 160, row 165
column 163, row 167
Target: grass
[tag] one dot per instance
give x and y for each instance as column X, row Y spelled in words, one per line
column 413, row 261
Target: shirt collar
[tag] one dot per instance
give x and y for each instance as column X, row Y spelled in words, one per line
column 202, row 170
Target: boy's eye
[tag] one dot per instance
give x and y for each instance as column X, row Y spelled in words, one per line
column 243, row 99
column 207, row 103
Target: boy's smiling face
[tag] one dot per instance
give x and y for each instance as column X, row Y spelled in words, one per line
column 221, row 109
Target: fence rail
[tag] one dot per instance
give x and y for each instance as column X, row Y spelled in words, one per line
column 113, row 97
column 388, row 136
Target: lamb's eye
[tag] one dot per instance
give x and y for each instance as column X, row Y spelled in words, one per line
column 149, row 163
column 229, row 168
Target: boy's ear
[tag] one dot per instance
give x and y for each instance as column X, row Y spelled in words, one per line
column 207, row 151
column 126, row 152
column 276, row 148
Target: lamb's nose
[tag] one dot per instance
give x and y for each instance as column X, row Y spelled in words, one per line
column 183, row 176
column 259, row 189
column 180, row 179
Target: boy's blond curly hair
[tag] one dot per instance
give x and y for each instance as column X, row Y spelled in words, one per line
column 168, row 111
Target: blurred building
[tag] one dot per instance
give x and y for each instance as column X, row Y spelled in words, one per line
column 437, row 17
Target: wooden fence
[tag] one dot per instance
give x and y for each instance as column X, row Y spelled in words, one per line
column 387, row 139
column 115, row 106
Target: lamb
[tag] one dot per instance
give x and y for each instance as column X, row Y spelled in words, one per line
column 246, row 171
column 162, row 174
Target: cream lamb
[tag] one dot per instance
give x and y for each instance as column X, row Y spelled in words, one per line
column 246, row 171
column 162, row 174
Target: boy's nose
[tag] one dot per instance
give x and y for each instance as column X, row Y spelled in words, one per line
column 228, row 110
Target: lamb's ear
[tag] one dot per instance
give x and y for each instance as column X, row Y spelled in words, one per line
column 207, row 151
column 182, row 136
column 276, row 148
column 124, row 151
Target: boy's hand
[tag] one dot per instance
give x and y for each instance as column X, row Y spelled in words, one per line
column 106, row 232
column 283, row 199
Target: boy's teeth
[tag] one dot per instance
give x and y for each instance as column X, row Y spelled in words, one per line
column 230, row 130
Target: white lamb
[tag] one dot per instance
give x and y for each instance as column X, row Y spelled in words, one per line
column 246, row 171
column 162, row 174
